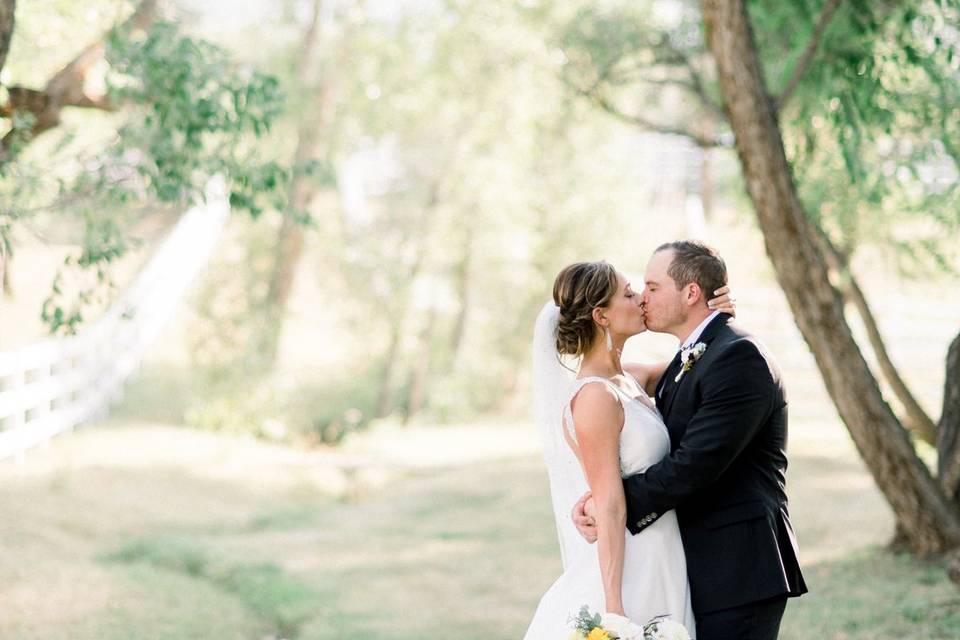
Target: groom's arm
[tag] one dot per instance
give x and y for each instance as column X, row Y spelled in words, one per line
column 738, row 395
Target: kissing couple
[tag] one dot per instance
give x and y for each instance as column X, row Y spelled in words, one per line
column 667, row 480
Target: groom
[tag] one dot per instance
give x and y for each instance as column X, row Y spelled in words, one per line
column 724, row 405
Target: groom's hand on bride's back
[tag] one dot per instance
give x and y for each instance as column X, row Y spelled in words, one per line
column 584, row 517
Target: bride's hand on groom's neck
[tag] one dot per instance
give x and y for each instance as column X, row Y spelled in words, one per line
column 723, row 302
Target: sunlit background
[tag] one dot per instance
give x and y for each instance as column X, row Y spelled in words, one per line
column 284, row 276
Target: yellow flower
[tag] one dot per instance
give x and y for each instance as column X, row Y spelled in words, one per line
column 598, row 634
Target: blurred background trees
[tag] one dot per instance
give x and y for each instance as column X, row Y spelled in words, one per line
column 837, row 153
column 173, row 111
column 419, row 170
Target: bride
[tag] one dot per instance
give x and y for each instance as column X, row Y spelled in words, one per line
column 597, row 428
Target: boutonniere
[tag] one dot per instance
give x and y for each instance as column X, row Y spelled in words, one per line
column 688, row 357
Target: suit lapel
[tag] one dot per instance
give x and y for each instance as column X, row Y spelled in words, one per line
column 672, row 389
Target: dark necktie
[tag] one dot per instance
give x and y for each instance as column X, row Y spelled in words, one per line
column 668, row 375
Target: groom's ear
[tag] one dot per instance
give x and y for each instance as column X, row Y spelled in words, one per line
column 694, row 294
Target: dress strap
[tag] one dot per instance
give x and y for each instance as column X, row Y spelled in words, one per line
column 643, row 398
column 577, row 385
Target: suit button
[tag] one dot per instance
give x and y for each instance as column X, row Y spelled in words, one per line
column 639, row 523
column 653, row 515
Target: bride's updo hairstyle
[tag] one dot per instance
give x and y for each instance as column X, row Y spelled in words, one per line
column 578, row 289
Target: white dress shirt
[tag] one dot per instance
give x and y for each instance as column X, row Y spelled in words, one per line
column 692, row 338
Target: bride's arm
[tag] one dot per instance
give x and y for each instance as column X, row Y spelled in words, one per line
column 598, row 418
column 647, row 375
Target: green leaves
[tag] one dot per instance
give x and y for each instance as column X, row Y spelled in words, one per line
column 197, row 109
column 189, row 113
column 870, row 128
column 584, row 622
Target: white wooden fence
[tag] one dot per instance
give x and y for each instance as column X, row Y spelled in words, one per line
column 54, row 385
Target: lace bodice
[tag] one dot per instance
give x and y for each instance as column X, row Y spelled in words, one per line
column 644, row 440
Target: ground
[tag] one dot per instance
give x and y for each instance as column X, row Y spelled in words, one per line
column 127, row 530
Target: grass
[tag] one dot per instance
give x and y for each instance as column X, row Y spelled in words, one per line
column 876, row 594
column 142, row 531
column 169, row 533
column 263, row 587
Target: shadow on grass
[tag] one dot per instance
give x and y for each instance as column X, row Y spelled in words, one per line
column 284, row 602
column 285, row 519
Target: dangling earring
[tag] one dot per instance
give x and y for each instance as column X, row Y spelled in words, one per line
column 609, row 339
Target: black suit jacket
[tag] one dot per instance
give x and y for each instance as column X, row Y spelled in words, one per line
column 725, row 475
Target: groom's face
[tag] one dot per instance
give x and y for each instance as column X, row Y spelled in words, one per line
column 663, row 303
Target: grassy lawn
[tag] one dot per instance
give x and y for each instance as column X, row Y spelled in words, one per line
column 160, row 532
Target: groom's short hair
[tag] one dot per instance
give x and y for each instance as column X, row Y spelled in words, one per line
column 694, row 261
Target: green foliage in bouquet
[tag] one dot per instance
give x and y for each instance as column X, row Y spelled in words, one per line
column 610, row 626
column 586, row 623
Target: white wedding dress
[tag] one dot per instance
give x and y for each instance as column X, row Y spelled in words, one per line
column 654, row 572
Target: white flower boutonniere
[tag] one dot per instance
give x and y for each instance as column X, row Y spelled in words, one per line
column 689, row 356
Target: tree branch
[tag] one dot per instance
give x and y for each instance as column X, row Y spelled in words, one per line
column 915, row 418
column 696, row 81
column 7, row 10
column 804, row 63
column 639, row 121
column 691, row 84
column 65, row 88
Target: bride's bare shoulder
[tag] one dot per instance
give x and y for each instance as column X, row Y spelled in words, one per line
column 595, row 398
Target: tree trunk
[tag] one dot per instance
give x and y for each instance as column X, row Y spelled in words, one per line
column 404, row 298
column 948, row 432
column 929, row 520
column 391, row 364
column 462, row 279
column 706, row 185
column 706, row 171
column 7, row 10
column 398, row 317
column 4, row 271
column 417, row 395
column 288, row 247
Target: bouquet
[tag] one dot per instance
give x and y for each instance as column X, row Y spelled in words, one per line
column 610, row 626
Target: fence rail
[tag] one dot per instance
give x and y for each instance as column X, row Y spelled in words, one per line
column 54, row 385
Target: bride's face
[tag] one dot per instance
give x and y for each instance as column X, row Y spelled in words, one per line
column 625, row 310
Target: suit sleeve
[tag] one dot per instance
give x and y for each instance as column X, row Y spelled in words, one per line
column 737, row 397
